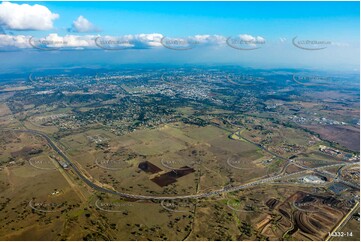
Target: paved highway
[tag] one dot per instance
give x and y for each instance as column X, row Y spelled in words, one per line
column 327, row 173
column 143, row 197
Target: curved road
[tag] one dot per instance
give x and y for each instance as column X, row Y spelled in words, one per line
column 127, row 195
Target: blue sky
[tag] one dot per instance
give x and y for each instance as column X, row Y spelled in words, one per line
column 273, row 19
column 276, row 22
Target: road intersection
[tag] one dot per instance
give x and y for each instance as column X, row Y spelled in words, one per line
column 191, row 196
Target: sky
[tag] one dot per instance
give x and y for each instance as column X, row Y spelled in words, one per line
column 314, row 35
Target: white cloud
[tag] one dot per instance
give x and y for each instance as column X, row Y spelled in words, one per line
column 150, row 40
column 82, row 25
column 68, row 42
column 50, row 41
column 14, row 41
column 209, row 39
column 245, row 42
column 25, row 17
column 71, row 41
column 250, row 39
column 247, row 37
column 137, row 41
column 260, row 39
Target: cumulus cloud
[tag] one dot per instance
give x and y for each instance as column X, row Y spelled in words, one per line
column 26, row 17
column 146, row 40
column 250, row 40
column 82, row 25
column 50, row 41
column 70, row 41
column 209, row 39
column 14, row 41
column 137, row 41
column 190, row 42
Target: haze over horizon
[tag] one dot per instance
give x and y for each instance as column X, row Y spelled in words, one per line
column 277, row 35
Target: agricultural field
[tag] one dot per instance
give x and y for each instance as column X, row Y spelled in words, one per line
column 118, row 155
